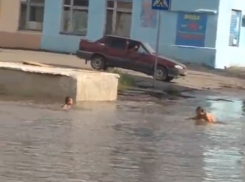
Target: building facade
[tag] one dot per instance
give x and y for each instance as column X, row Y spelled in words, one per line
column 17, row 28
column 208, row 32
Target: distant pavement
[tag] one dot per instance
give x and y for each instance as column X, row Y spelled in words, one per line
column 42, row 57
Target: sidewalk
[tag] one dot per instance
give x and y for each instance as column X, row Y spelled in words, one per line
column 198, row 77
column 42, row 57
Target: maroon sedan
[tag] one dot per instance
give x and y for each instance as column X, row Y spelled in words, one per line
column 126, row 53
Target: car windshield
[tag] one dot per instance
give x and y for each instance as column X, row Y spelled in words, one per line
column 149, row 48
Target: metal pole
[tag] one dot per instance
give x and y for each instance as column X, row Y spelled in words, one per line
column 157, row 46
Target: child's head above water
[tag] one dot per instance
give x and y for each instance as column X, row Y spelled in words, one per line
column 68, row 101
column 200, row 110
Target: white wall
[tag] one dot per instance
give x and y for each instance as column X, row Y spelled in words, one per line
column 226, row 55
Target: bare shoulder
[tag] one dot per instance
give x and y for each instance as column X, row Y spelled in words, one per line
column 211, row 117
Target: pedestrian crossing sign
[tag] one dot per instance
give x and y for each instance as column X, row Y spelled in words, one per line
column 163, row 5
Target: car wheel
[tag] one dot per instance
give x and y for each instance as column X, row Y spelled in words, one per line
column 161, row 73
column 169, row 79
column 98, row 62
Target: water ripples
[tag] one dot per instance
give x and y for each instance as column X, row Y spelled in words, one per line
column 127, row 141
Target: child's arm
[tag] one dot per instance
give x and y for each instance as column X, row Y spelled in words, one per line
column 192, row 118
column 213, row 119
column 210, row 118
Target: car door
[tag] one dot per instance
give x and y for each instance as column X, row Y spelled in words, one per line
column 144, row 62
column 115, row 51
column 137, row 59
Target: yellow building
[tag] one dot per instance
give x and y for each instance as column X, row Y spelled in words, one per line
column 18, row 25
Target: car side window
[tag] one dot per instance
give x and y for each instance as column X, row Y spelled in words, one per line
column 142, row 50
column 117, row 43
column 132, row 45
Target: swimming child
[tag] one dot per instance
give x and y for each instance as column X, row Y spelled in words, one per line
column 201, row 114
column 68, row 103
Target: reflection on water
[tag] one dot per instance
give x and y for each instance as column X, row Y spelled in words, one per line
column 126, row 141
column 226, row 111
column 222, row 158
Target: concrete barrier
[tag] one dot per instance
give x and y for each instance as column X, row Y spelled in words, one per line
column 43, row 82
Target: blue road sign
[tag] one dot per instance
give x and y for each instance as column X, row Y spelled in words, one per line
column 163, row 5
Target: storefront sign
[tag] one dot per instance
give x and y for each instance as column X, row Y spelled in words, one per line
column 191, row 29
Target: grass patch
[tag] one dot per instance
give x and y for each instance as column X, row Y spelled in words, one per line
column 125, row 80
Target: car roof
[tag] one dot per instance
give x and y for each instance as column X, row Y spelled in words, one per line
column 122, row 37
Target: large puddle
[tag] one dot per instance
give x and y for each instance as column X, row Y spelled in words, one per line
column 127, row 141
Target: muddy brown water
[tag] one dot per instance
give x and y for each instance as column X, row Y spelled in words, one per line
column 133, row 141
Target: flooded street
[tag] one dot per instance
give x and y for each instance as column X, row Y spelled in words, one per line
column 128, row 141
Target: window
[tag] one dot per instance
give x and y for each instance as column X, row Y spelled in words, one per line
column 136, row 47
column 133, row 45
column 118, row 18
column 142, row 50
column 31, row 15
column 235, row 27
column 75, row 17
column 117, row 43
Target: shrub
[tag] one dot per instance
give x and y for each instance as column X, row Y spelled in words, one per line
column 125, row 79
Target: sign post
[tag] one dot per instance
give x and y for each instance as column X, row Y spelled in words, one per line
column 157, row 47
column 160, row 5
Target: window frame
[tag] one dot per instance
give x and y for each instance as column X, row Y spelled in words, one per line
column 138, row 43
column 143, row 47
column 72, row 8
column 111, row 38
column 115, row 10
column 240, row 25
column 132, row 42
column 28, row 4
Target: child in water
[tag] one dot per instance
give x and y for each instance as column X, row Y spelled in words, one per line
column 201, row 114
column 68, row 103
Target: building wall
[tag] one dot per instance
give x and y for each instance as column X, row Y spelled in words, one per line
column 226, row 55
column 55, row 41
column 51, row 39
column 168, row 31
column 9, row 35
column 9, row 19
column 215, row 53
